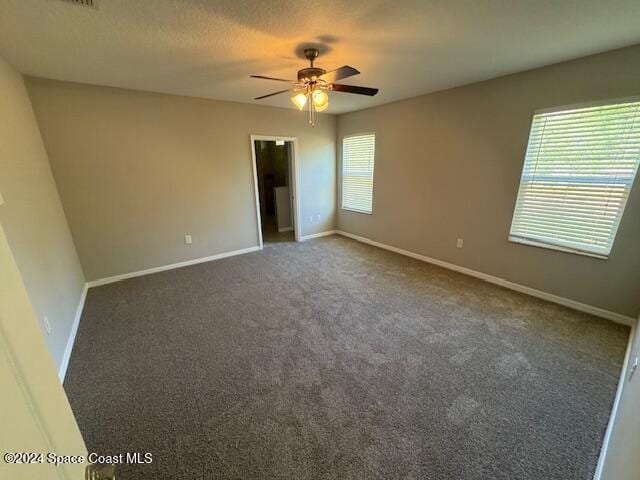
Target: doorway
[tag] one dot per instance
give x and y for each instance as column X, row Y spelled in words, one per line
column 274, row 167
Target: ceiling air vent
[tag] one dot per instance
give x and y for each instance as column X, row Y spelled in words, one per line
column 83, row 3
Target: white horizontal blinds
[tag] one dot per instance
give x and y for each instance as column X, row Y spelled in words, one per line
column 578, row 171
column 358, row 153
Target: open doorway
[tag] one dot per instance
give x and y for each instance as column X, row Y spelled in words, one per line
column 274, row 168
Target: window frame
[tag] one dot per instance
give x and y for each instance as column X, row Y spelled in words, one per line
column 373, row 173
column 550, row 245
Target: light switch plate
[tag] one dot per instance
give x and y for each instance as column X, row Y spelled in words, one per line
column 188, row 240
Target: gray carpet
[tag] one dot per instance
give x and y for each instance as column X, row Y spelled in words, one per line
column 331, row 359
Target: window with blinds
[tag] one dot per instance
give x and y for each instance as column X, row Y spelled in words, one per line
column 578, row 171
column 358, row 152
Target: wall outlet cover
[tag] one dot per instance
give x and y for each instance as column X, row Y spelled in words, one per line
column 459, row 243
column 188, row 240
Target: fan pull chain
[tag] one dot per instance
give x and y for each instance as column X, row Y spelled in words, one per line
column 312, row 113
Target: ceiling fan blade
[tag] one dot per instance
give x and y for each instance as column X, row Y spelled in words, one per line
column 339, row 74
column 271, row 78
column 271, row 94
column 353, row 89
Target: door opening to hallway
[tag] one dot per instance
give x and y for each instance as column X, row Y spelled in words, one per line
column 274, row 173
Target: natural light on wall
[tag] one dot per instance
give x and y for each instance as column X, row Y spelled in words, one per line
column 358, row 152
column 578, row 171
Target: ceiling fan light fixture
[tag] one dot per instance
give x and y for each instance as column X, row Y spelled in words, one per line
column 299, row 100
column 320, row 100
column 323, row 108
column 313, row 83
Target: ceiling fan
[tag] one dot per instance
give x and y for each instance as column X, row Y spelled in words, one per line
column 313, row 83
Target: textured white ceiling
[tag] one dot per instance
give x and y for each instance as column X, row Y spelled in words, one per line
column 208, row 48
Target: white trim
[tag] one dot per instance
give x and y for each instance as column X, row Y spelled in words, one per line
column 366, row 212
column 256, row 194
column 294, row 183
column 139, row 273
column 285, row 229
column 616, row 403
column 582, row 307
column 66, row 356
column 588, row 104
column 551, row 246
column 296, row 192
column 318, row 235
column 359, row 134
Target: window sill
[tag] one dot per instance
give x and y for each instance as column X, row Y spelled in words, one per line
column 533, row 243
column 357, row 211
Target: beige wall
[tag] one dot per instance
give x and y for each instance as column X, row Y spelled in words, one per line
column 621, row 461
column 33, row 218
column 448, row 166
column 137, row 171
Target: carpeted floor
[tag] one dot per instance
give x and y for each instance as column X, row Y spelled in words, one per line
column 331, row 359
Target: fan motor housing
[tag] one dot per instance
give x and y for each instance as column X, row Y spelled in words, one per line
column 311, row 74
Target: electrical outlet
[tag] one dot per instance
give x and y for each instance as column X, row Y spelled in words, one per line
column 317, row 217
column 310, row 218
column 1, row 199
column 188, row 240
column 47, row 325
column 459, row 243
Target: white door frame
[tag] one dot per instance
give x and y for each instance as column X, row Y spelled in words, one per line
column 294, row 186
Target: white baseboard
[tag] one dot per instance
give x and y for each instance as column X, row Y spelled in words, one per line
column 66, row 356
column 285, row 229
column 318, row 235
column 139, row 273
column 582, row 307
column 624, row 374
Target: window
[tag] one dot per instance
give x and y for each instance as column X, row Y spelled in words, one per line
column 358, row 152
column 578, row 171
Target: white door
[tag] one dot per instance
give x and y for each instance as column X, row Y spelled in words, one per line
column 621, row 460
column 35, row 416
